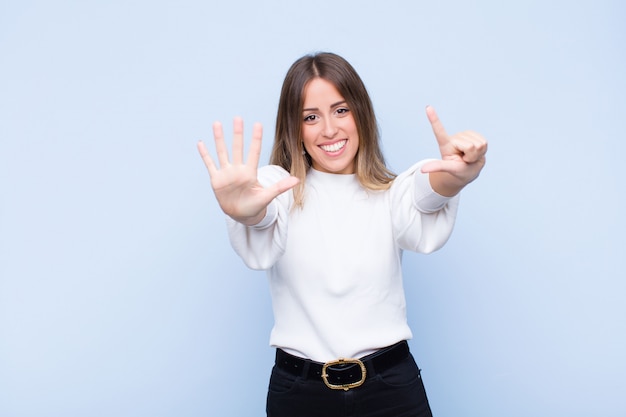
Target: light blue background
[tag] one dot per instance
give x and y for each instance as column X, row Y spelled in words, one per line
column 119, row 292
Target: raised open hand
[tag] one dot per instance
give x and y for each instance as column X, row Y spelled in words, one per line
column 462, row 158
column 235, row 184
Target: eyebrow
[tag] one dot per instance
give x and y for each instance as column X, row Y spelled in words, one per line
column 331, row 106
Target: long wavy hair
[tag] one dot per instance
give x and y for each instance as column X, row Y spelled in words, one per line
column 288, row 150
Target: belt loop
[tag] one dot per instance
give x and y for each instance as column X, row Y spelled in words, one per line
column 305, row 370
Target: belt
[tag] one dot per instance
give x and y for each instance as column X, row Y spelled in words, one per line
column 343, row 373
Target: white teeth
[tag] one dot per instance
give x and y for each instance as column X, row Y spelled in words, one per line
column 335, row 146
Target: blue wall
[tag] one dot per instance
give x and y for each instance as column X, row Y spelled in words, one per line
column 119, row 292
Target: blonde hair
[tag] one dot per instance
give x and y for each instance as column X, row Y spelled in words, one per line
column 288, row 150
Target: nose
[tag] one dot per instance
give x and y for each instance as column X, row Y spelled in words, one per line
column 330, row 128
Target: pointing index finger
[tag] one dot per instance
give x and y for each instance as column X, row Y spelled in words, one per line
column 438, row 129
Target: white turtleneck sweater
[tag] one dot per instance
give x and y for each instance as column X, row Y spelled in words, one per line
column 334, row 266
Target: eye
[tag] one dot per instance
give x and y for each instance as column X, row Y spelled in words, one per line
column 310, row 118
column 342, row 111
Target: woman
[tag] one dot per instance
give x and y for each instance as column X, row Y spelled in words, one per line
column 329, row 223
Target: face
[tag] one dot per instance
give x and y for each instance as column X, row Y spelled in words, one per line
column 329, row 132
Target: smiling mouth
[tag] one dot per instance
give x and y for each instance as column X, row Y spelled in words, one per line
column 335, row 146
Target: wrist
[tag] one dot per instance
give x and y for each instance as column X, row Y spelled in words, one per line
column 252, row 221
column 445, row 184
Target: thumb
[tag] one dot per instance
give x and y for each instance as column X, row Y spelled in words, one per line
column 435, row 165
column 437, row 126
column 281, row 186
column 438, row 165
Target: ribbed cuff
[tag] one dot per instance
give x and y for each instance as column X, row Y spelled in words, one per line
column 425, row 198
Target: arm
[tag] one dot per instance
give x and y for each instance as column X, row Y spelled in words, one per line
column 462, row 158
column 422, row 219
column 425, row 198
column 262, row 244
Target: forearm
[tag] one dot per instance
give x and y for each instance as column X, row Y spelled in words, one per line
column 262, row 244
column 422, row 218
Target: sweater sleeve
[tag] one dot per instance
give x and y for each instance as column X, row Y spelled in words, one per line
column 261, row 245
column 422, row 219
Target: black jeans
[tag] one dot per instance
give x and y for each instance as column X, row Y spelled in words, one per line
column 396, row 392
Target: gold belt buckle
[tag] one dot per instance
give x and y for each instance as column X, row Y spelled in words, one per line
column 343, row 361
